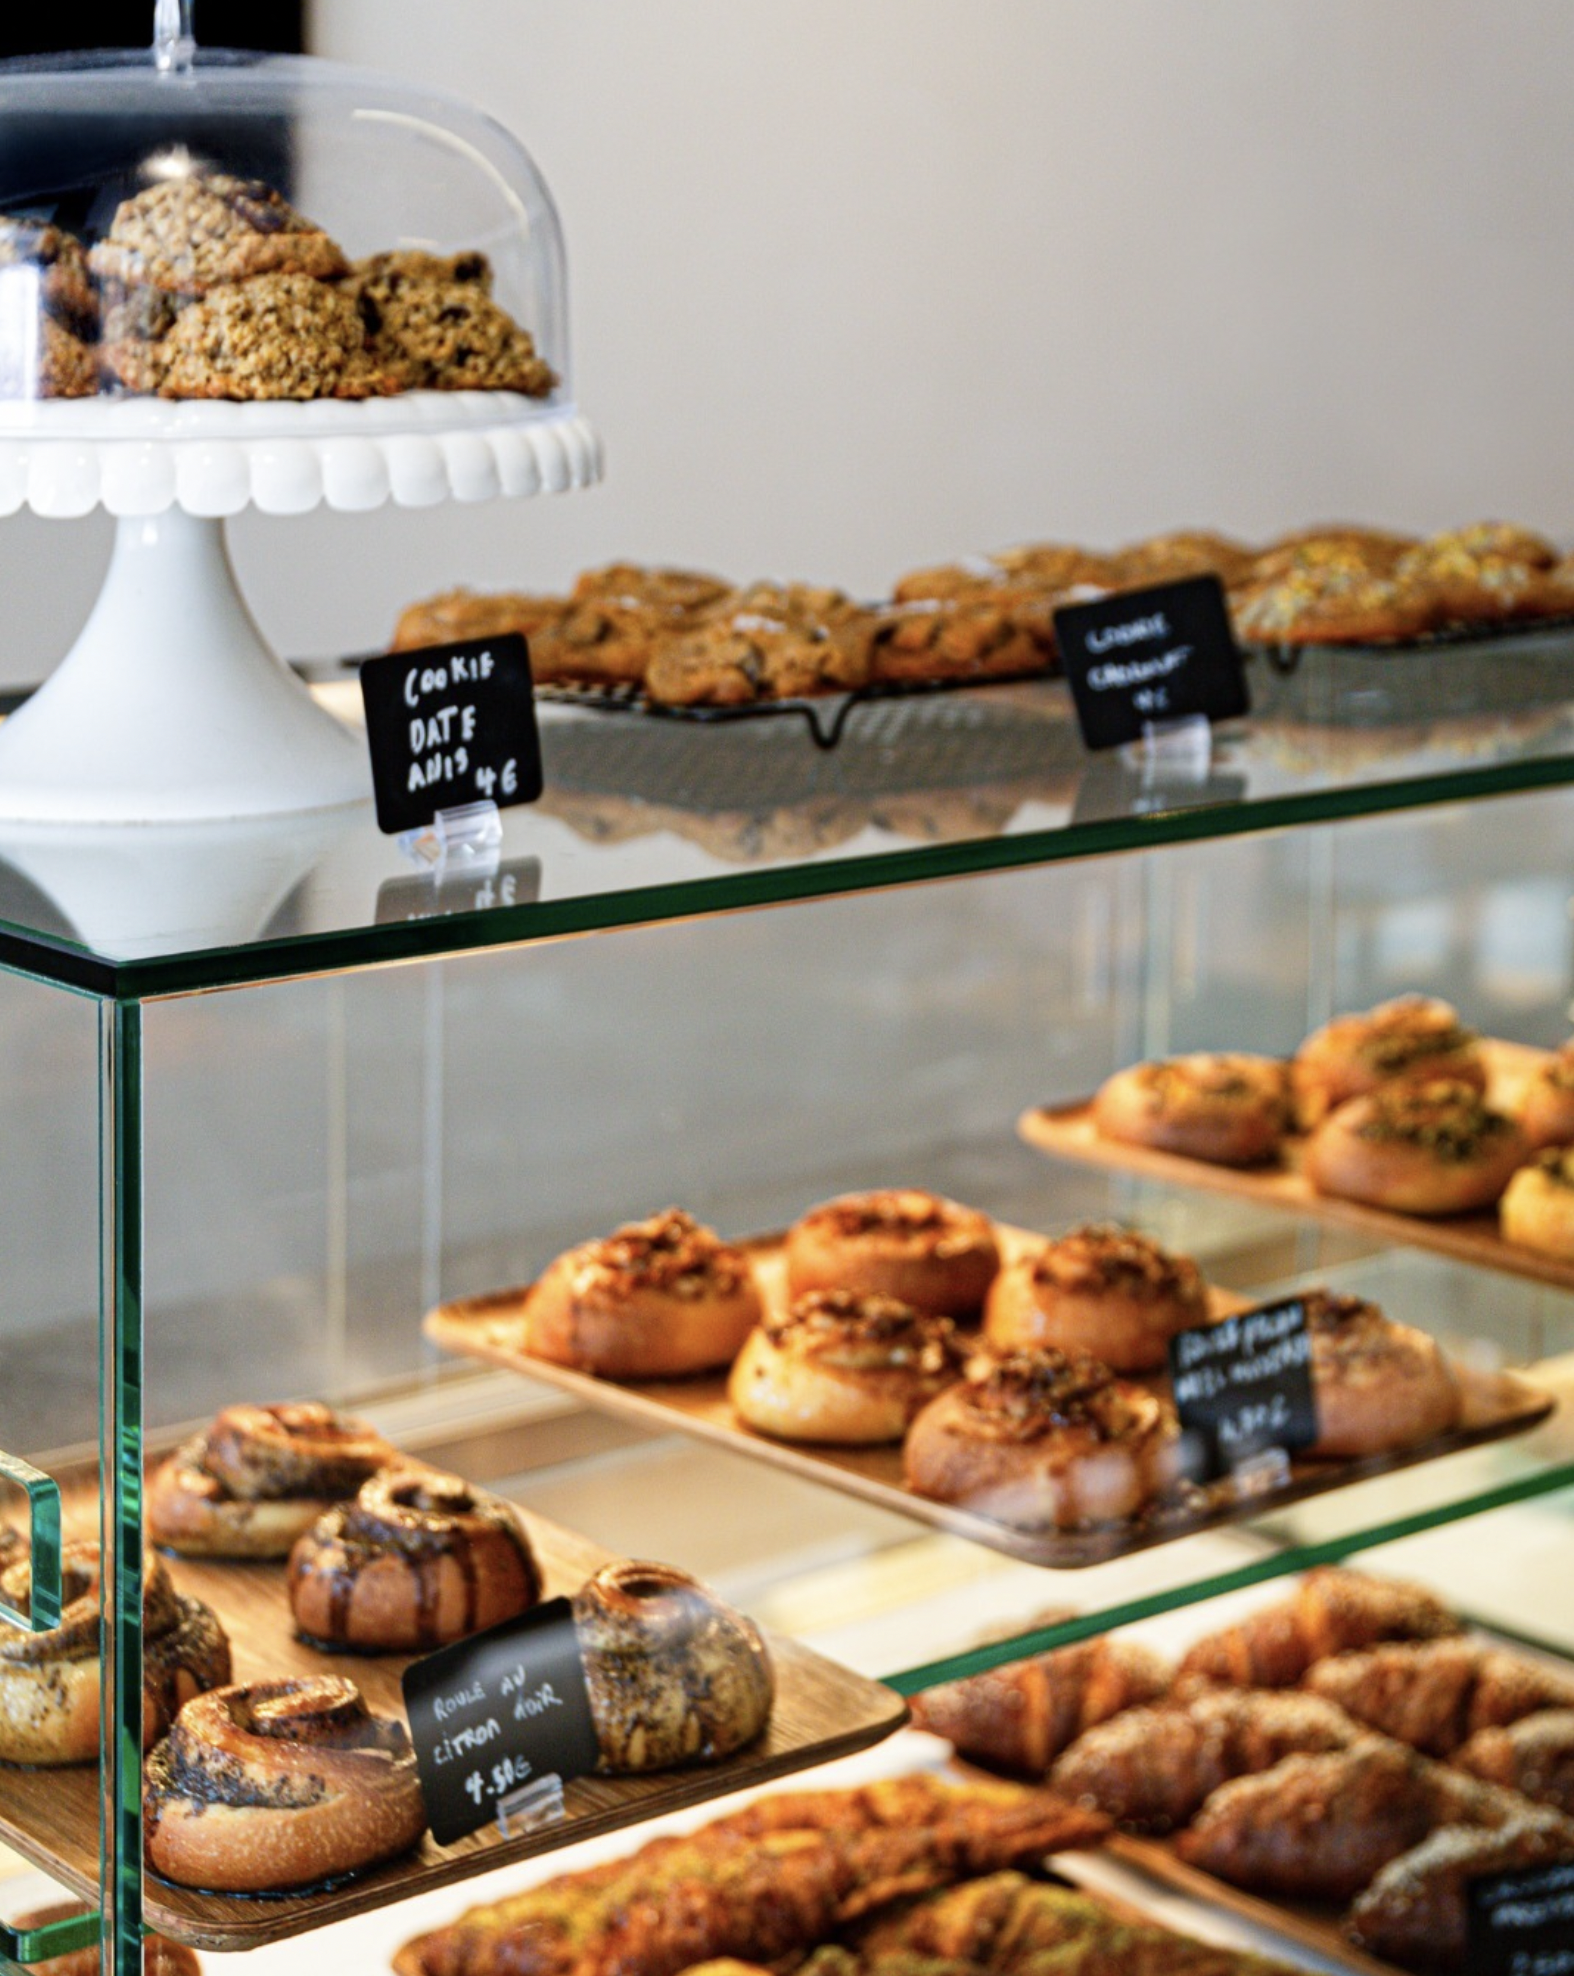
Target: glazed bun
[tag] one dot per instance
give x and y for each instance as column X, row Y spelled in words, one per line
column 1102, row 1290
column 1413, row 1039
column 842, row 1368
column 1229, row 1109
column 1538, row 1204
column 1378, row 1385
column 1547, row 1108
column 657, row 1299
column 899, row 1242
column 1429, row 1149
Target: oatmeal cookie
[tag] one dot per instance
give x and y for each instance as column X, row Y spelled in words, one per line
column 189, row 235
column 769, row 642
column 380, row 274
column 56, row 262
column 980, row 637
column 441, row 332
column 276, row 336
column 54, row 364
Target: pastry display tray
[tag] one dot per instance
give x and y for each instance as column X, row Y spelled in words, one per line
column 52, row 1816
column 1068, row 1132
column 1497, row 1405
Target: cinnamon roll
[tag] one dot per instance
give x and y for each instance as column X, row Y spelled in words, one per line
column 258, row 1477
column 1412, row 1039
column 277, row 1786
column 160, row 1956
column 50, row 1682
column 1378, row 1385
column 843, row 1368
column 1228, row 1109
column 419, row 1559
column 1044, row 1440
column 1108, row 1291
column 896, row 1242
column 654, row 1300
column 675, row 1675
column 1537, row 1210
column 1546, row 1111
column 1418, row 1148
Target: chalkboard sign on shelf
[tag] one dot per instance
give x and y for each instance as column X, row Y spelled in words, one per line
column 1243, row 1387
column 1145, row 659
column 1522, row 1924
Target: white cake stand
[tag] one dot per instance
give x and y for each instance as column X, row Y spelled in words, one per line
column 170, row 707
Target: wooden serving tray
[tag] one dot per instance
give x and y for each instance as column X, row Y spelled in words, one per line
column 486, row 1328
column 1068, row 1132
column 52, row 1816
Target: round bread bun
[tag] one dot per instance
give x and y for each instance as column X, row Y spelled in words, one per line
column 258, row 1477
column 1229, row 1109
column 1378, row 1385
column 1547, row 1108
column 1537, row 1210
column 279, row 1786
column 1044, row 1440
column 1412, row 1038
column 1429, row 1149
column 896, row 1242
column 418, row 1560
column 1108, row 1291
column 843, row 1368
column 655, row 1300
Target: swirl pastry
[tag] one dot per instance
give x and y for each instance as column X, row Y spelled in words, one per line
column 844, row 1368
column 1106, row 1291
column 1418, row 1148
column 675, row 1675
column 280, row 1785
column 896, row 1242
column 1044, row 1440
column 1231, row 1110
column 160, row 1957
column 1413, row 1038
column 417, row 1560
column 654, row 1300
column 50, row 1682
column 1537, row 1209
column 1547, row 1109
column 1378, row 1385
column 258, row 1477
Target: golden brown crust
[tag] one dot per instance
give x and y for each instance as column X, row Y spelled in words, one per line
column 1414, row 1038
column 1547, row 1108
column 1329, row 1612
column 1436, row 1695
column 1224, row 1107
column 1533, row 1755
column 843, row 1368
column 190, row 235
column 900, row 1242
column 1104, row 1290
column 258, row 1477
column 655, row 1299
column 1378, row 1385
column 1001, row 632
column 279, row 1785
column 1537, row 1209
column 1329, row 594
column 417, row 1560
column 1043, row 1440
column 457, row 615
column 1184, row 553
column 1429, row 1149
column 769, row 641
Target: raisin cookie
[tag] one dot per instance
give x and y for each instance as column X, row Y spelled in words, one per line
column 276, row 336
column 434, row 327
column 55, row 264
column 189, row 235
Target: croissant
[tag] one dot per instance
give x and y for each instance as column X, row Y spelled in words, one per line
column 1320, row 1827
column 1534, row 1756
column 1416, row 1912
column 1329, row 1612
column 1152, row 1767
column 1436, row 1695
column 1021, row 1717
column 764, row 1884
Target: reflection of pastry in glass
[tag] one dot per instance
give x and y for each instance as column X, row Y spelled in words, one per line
column 896, row 1242
column 1378, row 1385
column 1104, row 1290
column 1431, row 1149
column 1415, row 1038
column 844, row 1368
column 1227, row 1108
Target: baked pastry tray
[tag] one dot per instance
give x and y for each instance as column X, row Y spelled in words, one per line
column 52, row 1816
column 1068, row 1132
column 480, row 1327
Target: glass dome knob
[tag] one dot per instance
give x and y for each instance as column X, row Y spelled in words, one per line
column 174, row 44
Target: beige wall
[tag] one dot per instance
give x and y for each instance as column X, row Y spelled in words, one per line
column 858, row 283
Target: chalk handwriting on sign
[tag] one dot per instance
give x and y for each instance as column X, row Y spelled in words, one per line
column 501, row 1722
column 448, row 726
column 1143, row 658
column 1522, row 1924
column 1244, row 1385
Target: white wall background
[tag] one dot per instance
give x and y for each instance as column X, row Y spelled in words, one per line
column 859, row 283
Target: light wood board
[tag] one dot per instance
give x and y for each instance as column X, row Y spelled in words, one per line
column 51, row 1816
column 1068, row 1132
column 487, row 1328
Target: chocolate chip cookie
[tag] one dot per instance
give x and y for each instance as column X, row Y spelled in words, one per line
column 769, row 642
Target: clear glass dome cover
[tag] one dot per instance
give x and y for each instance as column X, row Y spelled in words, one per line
column 183, row 227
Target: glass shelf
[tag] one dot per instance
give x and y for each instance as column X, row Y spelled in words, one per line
column 646, row 819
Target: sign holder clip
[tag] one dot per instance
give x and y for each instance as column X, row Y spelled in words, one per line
column 470, row 835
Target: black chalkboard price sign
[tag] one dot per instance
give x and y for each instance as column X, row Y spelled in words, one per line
column 1244, row 1385
column 1522, row 1924
column 1146, row 658
column 448, row 726
column 500, row 1723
